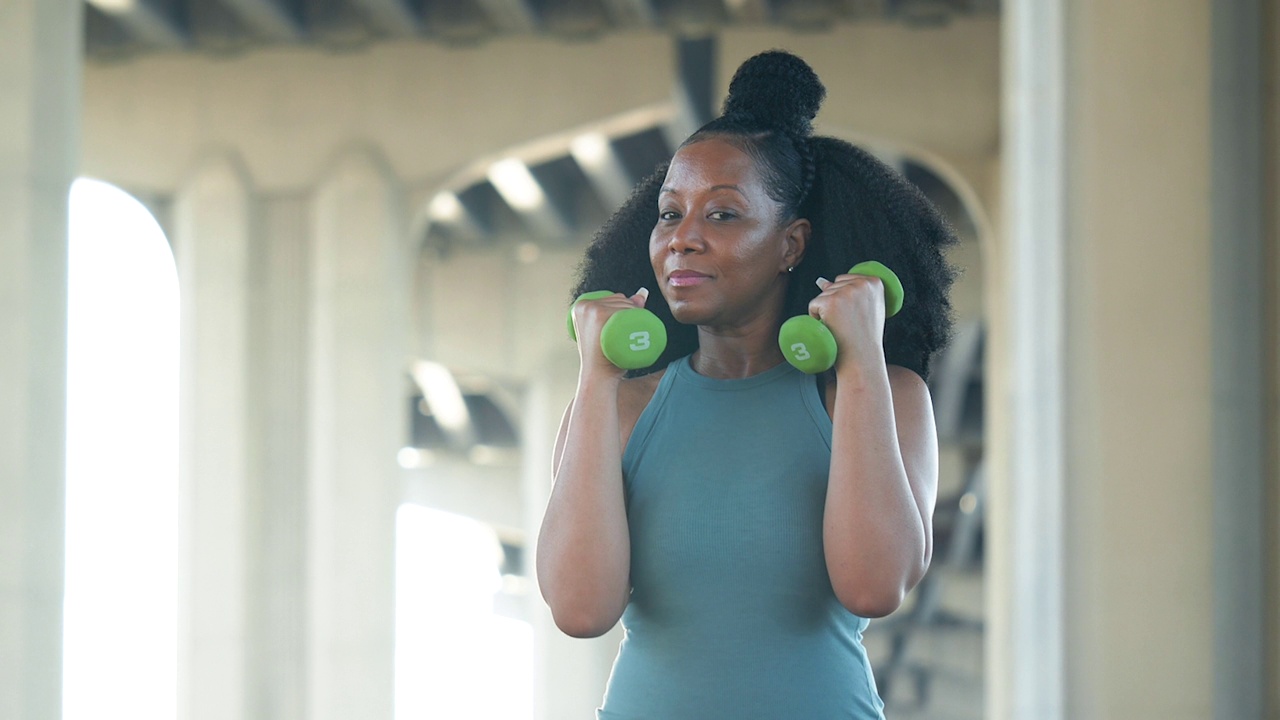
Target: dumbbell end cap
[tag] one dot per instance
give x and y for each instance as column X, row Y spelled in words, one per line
column 893, row 293
column 593, row 295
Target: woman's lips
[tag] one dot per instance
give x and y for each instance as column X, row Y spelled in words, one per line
column 686, row 278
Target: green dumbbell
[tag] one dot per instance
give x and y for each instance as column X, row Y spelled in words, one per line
column 631, row 338
column 810, row 346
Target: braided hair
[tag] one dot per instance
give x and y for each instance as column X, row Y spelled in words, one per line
column 858, row 208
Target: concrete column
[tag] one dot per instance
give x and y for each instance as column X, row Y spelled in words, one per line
column 277, row 499
column 1240, row 340
column 212, row 236
column 1025, row 523
column 1139, row 581
column 1271, row 63
column 1153, row 594
column 40, row 71
column 569, row 674
column 359, row 334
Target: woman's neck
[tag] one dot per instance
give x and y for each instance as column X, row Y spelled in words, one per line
column 735, row 353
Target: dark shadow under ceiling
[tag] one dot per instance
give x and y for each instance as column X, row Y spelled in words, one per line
column 123, row 29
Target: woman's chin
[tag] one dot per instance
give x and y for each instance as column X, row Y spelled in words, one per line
column 688, row 313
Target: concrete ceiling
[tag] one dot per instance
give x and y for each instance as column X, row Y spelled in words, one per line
column 121, row 29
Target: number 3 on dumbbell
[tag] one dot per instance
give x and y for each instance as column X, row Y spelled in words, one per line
column 639, row 341
column 800, row 352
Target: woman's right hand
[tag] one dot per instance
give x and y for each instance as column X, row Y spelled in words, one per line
column 589, row 317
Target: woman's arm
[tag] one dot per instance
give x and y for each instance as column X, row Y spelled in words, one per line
column 584, row 547
column 878, row 523
column 878, row 519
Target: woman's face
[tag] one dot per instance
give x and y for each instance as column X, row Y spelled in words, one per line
column 717, row 250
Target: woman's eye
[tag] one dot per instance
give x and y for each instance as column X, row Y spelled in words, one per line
column 721, row 215
column 668, row 215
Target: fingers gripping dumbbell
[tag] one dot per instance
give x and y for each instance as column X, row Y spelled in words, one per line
column 631, row 338
column 810, row 346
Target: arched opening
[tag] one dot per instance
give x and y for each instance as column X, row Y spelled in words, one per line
column 120, row 632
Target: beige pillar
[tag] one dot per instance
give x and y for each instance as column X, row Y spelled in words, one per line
column 40, row 143
column 1125, row 573
column 359, row 332
column 212, row 235
column 1139, row 582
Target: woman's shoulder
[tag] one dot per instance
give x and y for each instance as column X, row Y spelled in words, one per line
column 643, row 386
column 902, row 382
column 634, row 395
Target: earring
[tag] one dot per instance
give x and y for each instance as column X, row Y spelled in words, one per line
column 791, row 269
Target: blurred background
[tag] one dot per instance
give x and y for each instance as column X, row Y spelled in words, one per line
column 282, row 343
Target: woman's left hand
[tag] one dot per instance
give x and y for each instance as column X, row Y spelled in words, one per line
column 852, row 307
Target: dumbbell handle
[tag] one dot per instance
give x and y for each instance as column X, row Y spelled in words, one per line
column 809, row 345
column 631, row 339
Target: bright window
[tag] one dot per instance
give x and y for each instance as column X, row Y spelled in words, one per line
column 455, row 658
column 120, row 628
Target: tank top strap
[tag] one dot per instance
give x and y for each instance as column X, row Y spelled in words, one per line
column 644, row 424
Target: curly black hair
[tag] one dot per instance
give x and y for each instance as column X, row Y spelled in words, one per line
column 858, row 207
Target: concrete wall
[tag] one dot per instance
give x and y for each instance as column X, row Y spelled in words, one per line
column 432, row 110
column 288, row 112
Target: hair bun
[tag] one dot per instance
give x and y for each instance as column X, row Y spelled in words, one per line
column 775, row 90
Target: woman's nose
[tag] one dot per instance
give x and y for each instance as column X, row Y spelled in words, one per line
column 687, row 237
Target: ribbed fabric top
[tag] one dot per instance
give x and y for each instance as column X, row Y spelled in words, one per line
column 732, row 614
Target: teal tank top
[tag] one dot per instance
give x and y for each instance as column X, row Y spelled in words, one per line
column 731, row 613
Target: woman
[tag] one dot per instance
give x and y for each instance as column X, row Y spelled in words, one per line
column 743, row 519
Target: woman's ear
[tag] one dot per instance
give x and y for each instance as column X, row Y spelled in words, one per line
column 796, row 241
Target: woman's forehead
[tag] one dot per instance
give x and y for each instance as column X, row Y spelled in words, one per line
column 711, row 163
